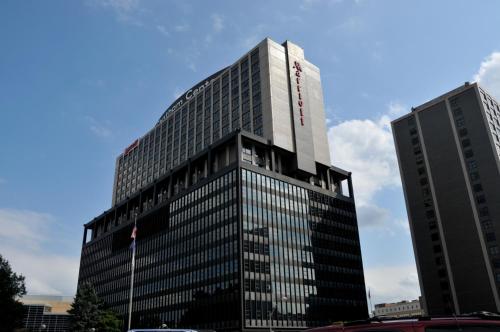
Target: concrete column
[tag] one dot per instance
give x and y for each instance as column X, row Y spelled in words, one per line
column 349, row 183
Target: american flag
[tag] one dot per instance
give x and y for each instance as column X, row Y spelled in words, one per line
column 133, row 236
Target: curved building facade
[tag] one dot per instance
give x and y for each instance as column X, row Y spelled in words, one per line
column 272, row 92
column 243, row 224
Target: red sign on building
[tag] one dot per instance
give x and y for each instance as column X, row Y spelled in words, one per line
column 300, row 102
column 131, row 147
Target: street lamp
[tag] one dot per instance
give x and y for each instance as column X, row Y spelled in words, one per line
column 283, row 298
column 43, row 327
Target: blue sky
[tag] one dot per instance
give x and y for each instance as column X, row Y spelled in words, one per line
column 80, row 80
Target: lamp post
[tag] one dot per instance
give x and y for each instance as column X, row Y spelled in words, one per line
column 43, row 327
column 283, row 298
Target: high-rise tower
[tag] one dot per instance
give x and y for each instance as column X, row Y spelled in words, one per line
column 242, row 221
column 448, row 151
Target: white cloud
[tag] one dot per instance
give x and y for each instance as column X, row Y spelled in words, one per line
column 125, row 10
column 489, row 74
column 366, row 148
column 121, row 5
column 255, row 36
column 308, row 4
column 98, row 128
column 22, row 227
column 371, row 215
column 352, row 24
column 100, row 131
column 178, row 92
column 23, row 236
column 217, row 22
column 397, row 109
column 182, row 27
column 2, row 181
column 392, row 283
column 192, row 66
column 163, row 30
column 95, row 83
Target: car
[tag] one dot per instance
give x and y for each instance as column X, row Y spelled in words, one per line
column 474, row 322
column 168, row 330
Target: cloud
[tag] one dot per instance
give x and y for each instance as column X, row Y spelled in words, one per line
column 2, row 181
column 208, row 39
column 392, row 283
column 99, row 129
column 254, row 37
column 124, row 10
column 371, row 215
column 192, row 66
column 397, row 109
column 217, row 22
column 366, row 148
column 24, row 237
column 308, row 4
column 489, row 74
column 178, row 92
column 25, row 228
column 182, row 27
column 163, row 30
column 217, row 26
column 95, row 83
column 352, row 24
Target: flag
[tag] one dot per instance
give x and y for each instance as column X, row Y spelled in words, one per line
column 133, row 236
column 134, row 232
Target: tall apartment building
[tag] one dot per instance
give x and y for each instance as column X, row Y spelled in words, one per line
column 449, row 157
column 243, row 224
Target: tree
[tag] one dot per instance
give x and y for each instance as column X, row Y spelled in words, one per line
column 109, row 322
column 11, row 288
column 88, row 312
column 85, row 310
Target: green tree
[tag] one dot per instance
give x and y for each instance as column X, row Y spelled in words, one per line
column 11, row 288
column 109, row 322
column 88, row 312
column 86, row 309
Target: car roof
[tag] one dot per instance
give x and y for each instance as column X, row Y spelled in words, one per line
column 377, row 323
column 162, row 330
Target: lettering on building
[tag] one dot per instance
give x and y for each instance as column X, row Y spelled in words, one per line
column 300, row 101
column 191, row 93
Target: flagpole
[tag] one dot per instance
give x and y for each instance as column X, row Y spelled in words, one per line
column 370, row 311
column 132, row 277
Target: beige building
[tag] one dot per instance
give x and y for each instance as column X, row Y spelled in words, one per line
column 57, row 304
column 399, row 309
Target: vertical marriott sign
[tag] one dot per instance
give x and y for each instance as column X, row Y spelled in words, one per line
column 301, row 108
column 300, row 101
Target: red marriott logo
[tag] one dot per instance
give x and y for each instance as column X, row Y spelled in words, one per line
column 300, row 102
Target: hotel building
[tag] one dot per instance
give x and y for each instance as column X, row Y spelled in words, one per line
column 243, row 224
